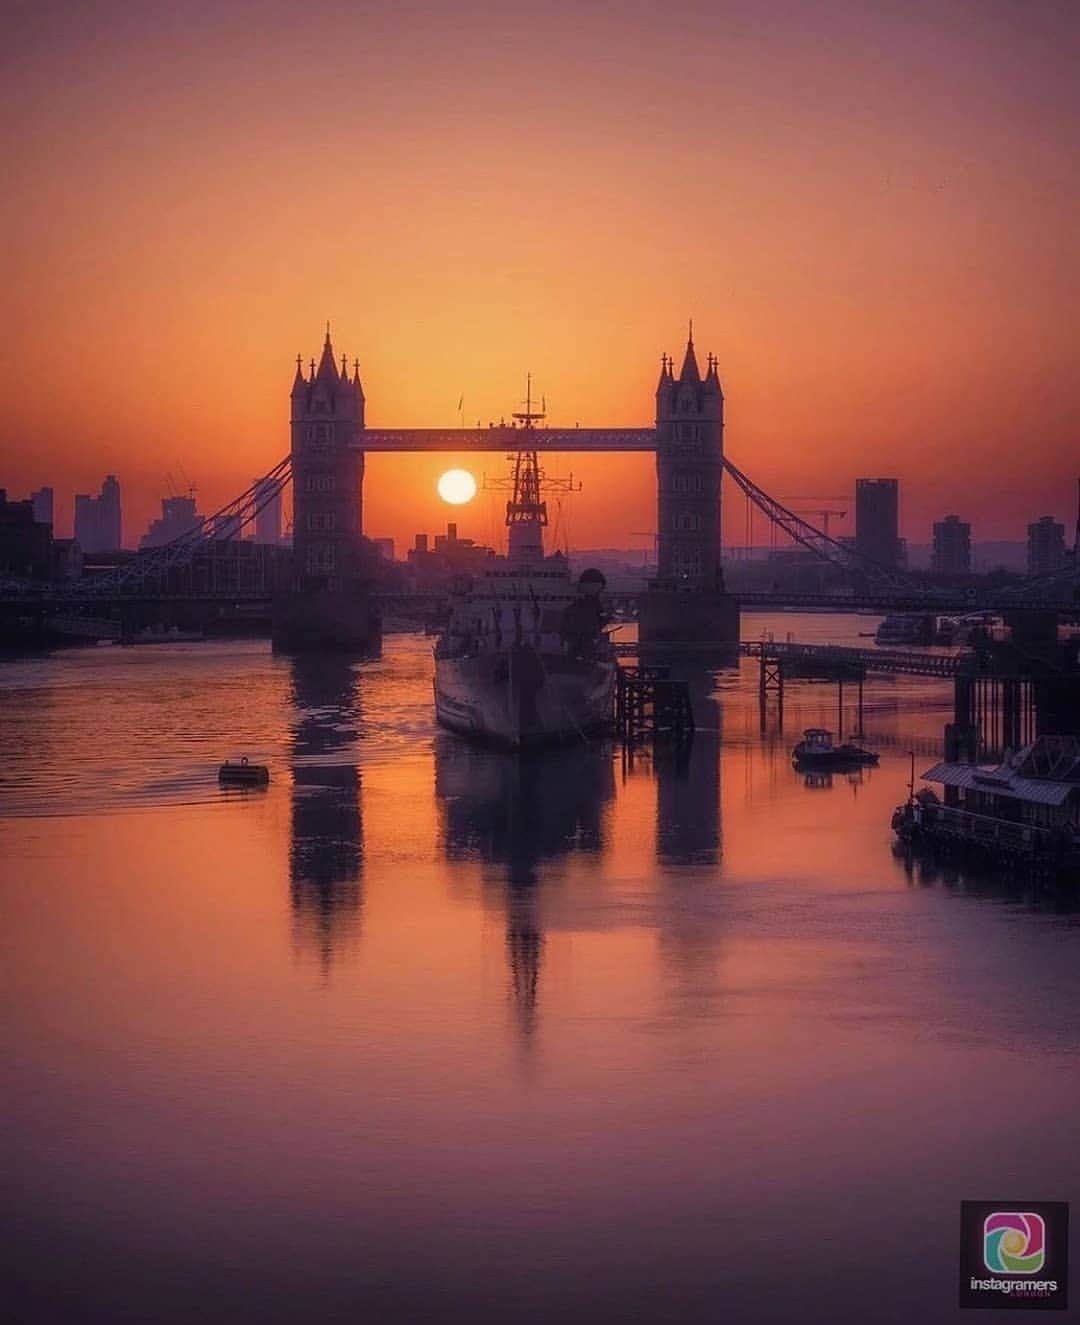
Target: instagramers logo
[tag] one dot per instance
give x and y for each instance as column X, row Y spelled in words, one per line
column 1014, row 1243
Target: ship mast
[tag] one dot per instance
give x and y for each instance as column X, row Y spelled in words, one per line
column 526, row 511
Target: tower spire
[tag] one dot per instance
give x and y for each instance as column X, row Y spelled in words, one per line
column 327, row 366
column 690, row 371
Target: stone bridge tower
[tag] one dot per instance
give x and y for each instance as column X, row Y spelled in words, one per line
column 687, row 602
column 689, row 465
column 327, row 606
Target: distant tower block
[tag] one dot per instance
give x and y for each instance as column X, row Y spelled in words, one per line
column 328, row 605
column 686, row 603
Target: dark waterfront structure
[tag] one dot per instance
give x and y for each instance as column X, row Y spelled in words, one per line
column 98, row 521
column 952, row 547
column 877, row 520
column 1011, row 773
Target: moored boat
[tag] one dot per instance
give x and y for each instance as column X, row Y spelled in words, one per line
column 525, row 657
column 816, row 750
column 905, row 628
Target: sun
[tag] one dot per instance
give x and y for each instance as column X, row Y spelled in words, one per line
column 457, row 486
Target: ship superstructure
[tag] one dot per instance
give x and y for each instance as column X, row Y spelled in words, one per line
column 525, row 657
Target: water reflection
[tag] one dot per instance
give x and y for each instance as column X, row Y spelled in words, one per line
column 821, row 779
column 688, row 785
column 327, row 832
column 515, row 812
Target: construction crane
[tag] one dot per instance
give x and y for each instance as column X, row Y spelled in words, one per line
column 825, row 513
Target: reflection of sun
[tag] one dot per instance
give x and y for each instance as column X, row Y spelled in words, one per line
column 457, row 486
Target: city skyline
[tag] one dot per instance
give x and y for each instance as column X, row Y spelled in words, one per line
column 844, row 201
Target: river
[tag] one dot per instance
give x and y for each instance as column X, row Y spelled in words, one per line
column 424, row 1032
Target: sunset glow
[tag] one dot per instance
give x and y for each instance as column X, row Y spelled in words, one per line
column 868, row 209
column 457, row 486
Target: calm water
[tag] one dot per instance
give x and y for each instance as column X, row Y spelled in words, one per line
column 425, row 1033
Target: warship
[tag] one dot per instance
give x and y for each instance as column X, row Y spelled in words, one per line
column 525, row 657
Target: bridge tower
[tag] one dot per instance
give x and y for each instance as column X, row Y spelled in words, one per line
column 686, row 603
column 327, row 604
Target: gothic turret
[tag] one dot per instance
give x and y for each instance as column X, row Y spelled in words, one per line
column 328, row 468
column 686, row 603
column 689, row 463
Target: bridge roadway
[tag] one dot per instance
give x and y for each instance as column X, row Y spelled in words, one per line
column 502, row 437
column 867, row 602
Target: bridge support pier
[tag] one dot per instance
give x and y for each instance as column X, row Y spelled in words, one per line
column 326, row 620
column 697, row 620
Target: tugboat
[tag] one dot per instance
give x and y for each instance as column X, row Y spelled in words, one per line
column 816, row 750
column 524, row 657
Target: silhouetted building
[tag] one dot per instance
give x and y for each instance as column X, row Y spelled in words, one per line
column 952, row 546
column 97, row 519
column 178, row 517
column 328, row 473
column 689, row 464
column 268, row 513
column 1046, row 546
column 877, row 520
column 384, row 547
column 25, row 543
column 431, row 566
column 42, row 501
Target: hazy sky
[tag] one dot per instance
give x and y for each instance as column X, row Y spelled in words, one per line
column 869, row 208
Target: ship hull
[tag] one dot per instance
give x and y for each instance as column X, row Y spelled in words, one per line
column 522, row 697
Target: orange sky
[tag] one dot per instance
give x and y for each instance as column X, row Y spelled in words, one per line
column 870, row 209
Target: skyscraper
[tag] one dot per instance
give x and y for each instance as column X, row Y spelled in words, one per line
column 98, row 524
column 952, row 546
column 1046, row 546
column 877, row 520
column 43, row 505
column 178, row 517
column 268, row 514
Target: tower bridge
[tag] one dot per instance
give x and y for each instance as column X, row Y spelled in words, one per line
column 326, row 597
column 330, row 440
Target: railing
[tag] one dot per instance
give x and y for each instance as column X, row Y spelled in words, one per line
column 984, row 830
column 872, row 660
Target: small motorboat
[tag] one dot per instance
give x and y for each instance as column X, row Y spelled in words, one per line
column 243, row 774
column 816, row 750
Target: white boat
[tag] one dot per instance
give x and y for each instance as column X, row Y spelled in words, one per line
column 525, row 657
